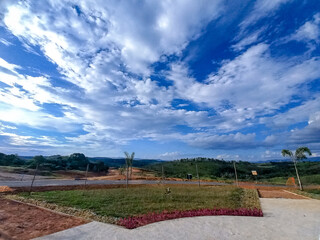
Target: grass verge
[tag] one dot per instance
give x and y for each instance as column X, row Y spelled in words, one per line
column 114, row 205
column 311, row 193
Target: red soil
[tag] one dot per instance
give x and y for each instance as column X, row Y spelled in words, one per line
column 23, row 221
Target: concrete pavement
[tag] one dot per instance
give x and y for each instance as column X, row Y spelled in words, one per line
column 283, row 219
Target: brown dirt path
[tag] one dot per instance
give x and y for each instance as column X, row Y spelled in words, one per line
column 279, row 194
column 23, row 221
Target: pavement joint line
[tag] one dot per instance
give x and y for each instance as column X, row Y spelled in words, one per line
column 297, row 194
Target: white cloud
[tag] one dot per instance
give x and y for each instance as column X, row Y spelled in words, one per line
column 106, row 52
column 297, row 114
column 252, row 84
column 170, row 155
column 310, row 30
column 95, row 46
column 229, row 157
column 248, row 40
column 5, row 42
column 225, row 141
column 262, row 9
column 308, row 135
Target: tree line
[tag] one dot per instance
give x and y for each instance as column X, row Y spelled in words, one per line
column 75, row 161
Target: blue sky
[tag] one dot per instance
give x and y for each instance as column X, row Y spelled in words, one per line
column 166, row 79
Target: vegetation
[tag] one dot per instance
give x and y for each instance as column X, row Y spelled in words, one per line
column 272, row 172
column 10, row 160
column 121, row 202
column 298, row 155
column 312, row 193
column 76, row 161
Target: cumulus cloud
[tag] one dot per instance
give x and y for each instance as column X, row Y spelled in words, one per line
column 226, row 141
column 106, row 55
column 297, row 114
column 252, row 84
column 309, row 134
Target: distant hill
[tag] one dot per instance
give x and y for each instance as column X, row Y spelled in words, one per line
column 309, row 159
column 120, row 162
column 219, row 169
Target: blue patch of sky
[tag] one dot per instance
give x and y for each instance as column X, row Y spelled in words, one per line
column 288, row 49
column 184, row 129
column 178, row 103
column 32, row 64
column 204, row 55
column 146, row 148
column 3, row 85
column 298, row 125
column 35, row 132
column 53, row 109
column 288, row 19
column 314, row 86
column 78, row 10
column 159, row 70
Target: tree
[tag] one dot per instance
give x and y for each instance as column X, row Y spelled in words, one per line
column 78, row 161
column 129, row 161
column 10, row 160
column 298, row 155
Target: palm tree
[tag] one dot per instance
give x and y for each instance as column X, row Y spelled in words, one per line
column 298, row 155
column 129, row 161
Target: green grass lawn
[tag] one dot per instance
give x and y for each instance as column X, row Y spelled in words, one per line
column 121, row 202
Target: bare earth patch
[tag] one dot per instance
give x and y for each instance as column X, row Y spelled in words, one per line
column 278, row 194
column 22, row 221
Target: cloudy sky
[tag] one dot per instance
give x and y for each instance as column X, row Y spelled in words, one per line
column 166, row 79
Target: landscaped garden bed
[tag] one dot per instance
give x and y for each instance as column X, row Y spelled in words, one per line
column 138, row 206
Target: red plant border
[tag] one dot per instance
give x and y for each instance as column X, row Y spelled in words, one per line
column 141, row 220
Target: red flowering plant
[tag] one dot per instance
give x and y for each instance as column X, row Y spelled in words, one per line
column 141, row 220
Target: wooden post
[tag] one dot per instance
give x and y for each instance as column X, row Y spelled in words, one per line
column 162, row 173
column 34, row 176
column 85, row 181
column 198, row 175
column 127, row 173
column 235, row 171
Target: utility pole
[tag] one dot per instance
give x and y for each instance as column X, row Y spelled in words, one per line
column 235, row 171
column 198, row 175
column 34, row 176
column 127, row 179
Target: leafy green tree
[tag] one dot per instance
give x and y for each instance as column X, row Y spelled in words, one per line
column 298, row 155
column 78, row 161
column 36, row 161
column 98, row 166
column 10, row 160
column 39, row 159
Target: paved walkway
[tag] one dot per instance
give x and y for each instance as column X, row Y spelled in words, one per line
column 284, row 219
